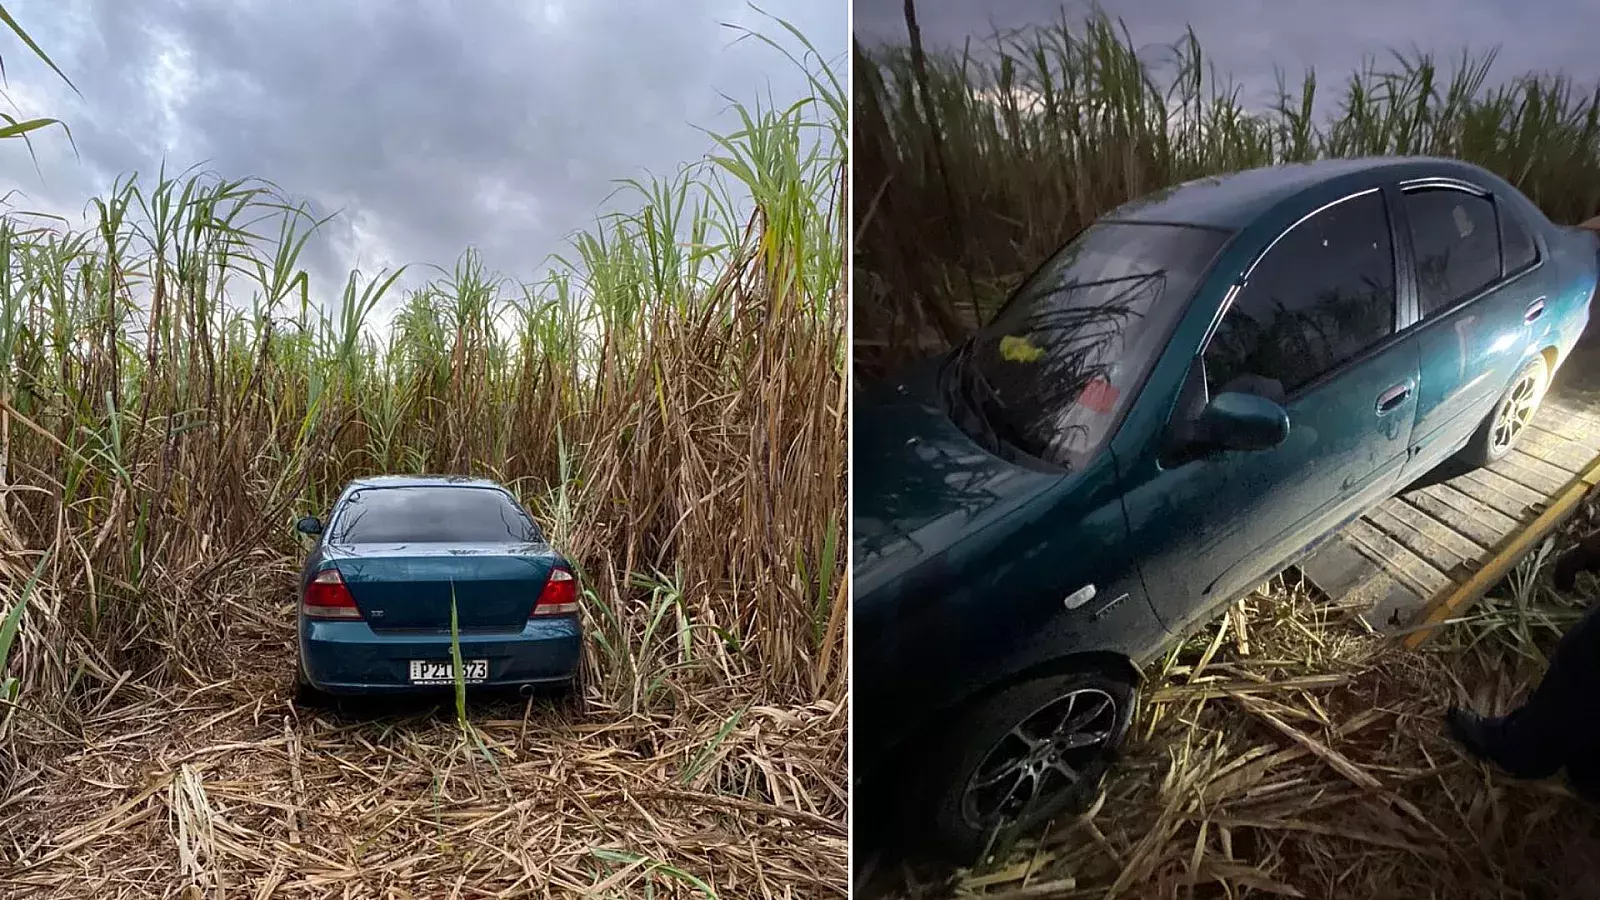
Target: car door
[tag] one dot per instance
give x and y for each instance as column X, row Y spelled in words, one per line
column 1314, row 326
column 1476, row 304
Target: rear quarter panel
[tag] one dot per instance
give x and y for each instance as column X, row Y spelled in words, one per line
column 1576, row 253
column 1568, row 279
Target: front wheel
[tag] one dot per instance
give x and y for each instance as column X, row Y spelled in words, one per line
column 1023, row 756
column 1510, row 417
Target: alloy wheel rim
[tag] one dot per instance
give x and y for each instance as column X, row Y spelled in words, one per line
column 1515, row 412
column 1047, row 754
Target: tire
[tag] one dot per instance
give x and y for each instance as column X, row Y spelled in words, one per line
column 306, row 696
column 1500, row 430
column 984, row 746
column 575, row 695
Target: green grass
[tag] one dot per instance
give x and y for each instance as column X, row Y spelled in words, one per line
column 972, row 169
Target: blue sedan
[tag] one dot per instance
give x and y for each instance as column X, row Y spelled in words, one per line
column 396, row 554
column 1182, row 401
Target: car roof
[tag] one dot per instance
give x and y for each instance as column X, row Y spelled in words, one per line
column 1234, row 200
column 398, row 481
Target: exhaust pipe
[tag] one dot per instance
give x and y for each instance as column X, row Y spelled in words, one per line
column 525, row 691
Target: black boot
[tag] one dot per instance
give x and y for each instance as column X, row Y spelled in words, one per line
column 1474, row 732
column 1486, row 738
column 1584, row 780
column 1561, row 718
column 1582, row 557
column 1583, row 774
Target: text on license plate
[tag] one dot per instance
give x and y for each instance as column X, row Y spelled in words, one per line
column 440, row 671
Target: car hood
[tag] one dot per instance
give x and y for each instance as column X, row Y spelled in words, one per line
column 920, row 483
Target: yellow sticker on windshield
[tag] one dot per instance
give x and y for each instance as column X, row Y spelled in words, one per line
column 1019, row 349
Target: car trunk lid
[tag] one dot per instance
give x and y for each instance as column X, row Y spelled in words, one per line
column 408, row 587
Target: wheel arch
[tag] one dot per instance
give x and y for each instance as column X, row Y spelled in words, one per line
column 1112, row 663
column 1551, row 355
column 1107, row 662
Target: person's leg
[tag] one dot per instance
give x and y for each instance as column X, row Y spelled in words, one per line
column 1558, row 722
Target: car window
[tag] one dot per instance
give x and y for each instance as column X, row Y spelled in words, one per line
column 427, row 515
column 1519, row 248
column 1457, row 245
column 1323, row 294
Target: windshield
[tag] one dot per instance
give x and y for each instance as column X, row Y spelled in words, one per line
column 432, row 515
column 1054, row 372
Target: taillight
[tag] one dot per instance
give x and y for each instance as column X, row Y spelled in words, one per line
column 328, row 598
column 559, row 597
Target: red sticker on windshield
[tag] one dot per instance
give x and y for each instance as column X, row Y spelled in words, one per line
column 1098, row 395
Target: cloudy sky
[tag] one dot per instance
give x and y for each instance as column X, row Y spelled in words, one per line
column 430, row 125
column 1248, row 37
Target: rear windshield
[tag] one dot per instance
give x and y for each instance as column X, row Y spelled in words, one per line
column 431, row 515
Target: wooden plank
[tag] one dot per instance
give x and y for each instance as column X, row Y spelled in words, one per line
column 1525, row 470
column 1567, row 424
column 1557, row 402
column 1482, row 524
column 1441, row 607
column 1579, row 404
column 1356, row 581
column 1416, row 573
column 1521, row 456
column 1427, row 537
column 1498, row 492
column 1569, row 456
column 1574, row 405
column 1337, row 567
column 1394, row 606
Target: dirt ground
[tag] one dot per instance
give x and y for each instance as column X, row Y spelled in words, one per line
column 228, row 790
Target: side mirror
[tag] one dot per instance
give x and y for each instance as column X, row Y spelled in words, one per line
column 308, row 525
column 1236, row 421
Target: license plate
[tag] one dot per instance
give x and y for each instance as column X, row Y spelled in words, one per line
column 441, row 671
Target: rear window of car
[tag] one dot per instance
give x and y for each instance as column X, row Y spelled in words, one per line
column 1520, row 250
column 431, row 515
column 1457, row 245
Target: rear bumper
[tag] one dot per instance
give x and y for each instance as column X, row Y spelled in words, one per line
column 350, row 658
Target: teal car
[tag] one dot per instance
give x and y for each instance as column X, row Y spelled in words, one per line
column 396, row 553
column 1181, row 402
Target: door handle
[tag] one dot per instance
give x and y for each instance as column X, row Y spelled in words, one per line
column 1535, row 310
column 1390, row 400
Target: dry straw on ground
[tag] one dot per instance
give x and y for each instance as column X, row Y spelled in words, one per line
column 671, row 405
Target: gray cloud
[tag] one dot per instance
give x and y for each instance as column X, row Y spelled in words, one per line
column 430, row 126
column 1247, row 38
